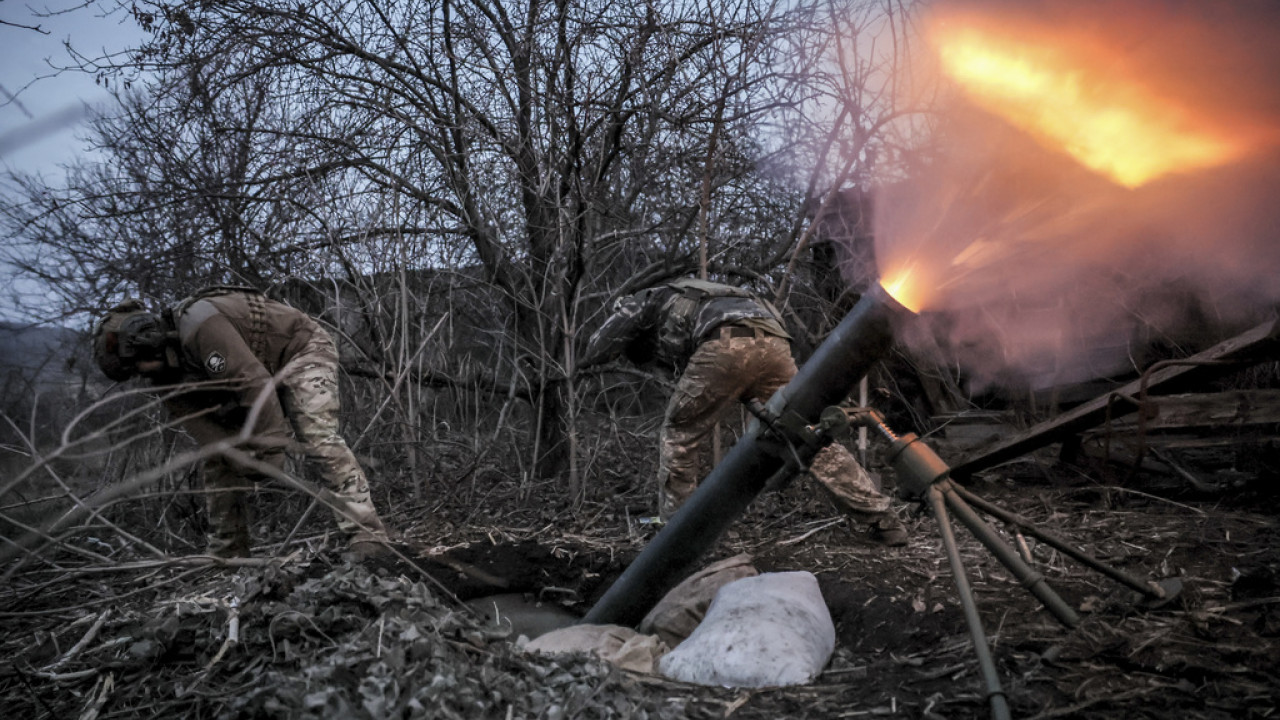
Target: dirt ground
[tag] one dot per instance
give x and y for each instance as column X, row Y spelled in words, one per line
column 317, row 637
column 904, row 648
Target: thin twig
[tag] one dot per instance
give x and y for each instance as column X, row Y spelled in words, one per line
column 233, row 633
column 100, row 693
column 1073, row 709
column 811, row 533
column 99, row 601
column 1131, row 491
column 81, row 645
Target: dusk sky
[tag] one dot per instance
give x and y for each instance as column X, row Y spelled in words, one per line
column 38, row 129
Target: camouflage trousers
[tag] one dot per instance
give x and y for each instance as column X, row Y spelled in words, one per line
column 721, row 372
column 308, row 393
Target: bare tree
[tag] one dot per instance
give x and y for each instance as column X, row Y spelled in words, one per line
column 558, row 152
column 544, row 135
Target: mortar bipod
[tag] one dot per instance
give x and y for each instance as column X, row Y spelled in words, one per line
column 918, row 467
column 923, row 476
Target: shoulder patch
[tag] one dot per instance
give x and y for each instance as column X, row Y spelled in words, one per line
column 215, row 363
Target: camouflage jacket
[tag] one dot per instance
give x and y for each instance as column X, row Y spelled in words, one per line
column 665, row 324
column 231, row 342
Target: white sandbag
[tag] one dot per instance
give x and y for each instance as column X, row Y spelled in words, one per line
column 680, row 611
column 770, row 630
column 619, row 646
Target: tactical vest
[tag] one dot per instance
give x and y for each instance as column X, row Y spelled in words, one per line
column 212, row 291
column 256, row 333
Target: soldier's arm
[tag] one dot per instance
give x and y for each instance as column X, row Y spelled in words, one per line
column 619, row 329
column 223, row 356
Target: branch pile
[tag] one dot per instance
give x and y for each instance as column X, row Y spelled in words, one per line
column 274, row 642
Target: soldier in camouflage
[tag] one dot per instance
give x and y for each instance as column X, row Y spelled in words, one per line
column 725, row 345
column 222, row 350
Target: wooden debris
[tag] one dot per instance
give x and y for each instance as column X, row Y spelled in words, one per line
column 1249, row 348
column 1190, row 412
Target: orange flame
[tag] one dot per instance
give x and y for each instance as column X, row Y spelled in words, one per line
column 906, row 286
column 1075, row 96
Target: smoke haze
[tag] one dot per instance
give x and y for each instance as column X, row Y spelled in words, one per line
column 1043, row 268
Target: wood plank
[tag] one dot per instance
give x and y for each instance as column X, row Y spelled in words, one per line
column 1259, row 344
column 1231, row 409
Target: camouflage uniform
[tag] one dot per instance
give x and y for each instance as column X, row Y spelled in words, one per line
column 726, row 345
column 235, row 344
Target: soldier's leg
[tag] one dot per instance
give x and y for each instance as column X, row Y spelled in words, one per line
column 846, row 482
column 310, row 396
column 849, row 484
column 772, row 366
column 226, row 498
column 711, row 381
column 226, row 485
column 854, row 492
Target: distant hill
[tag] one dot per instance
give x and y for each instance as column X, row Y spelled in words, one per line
column 39, row 354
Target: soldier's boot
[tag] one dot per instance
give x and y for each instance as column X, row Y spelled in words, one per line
column 234, row 546
column 364, row 550
column 888, row 530
column 368, row 540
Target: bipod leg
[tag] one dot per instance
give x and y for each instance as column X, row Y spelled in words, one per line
column 1156, row 592
column 1032, row 580
column 995, row 692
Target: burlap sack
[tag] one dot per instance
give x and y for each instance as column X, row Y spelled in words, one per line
column 679, row 612
column 619, row 646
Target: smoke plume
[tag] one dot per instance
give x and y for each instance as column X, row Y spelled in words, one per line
column 1039, row 258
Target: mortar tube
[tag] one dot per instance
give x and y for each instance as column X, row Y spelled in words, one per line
column 862, row 338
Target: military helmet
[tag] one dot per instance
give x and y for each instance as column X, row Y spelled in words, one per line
column 126, row 334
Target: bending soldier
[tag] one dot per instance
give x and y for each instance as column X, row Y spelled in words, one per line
column 725, row 345
column 220, row 350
